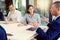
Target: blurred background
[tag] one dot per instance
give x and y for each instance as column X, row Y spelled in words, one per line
column 41, row 6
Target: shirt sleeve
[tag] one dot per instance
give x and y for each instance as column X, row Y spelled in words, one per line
column 19, row 16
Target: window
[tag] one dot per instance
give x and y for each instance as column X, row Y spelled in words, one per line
column 20, row 5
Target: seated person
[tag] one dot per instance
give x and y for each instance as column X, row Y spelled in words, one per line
column 30, row 17
column 13, row 15
column 3, row 35
column 1, row 16
column 53, row 33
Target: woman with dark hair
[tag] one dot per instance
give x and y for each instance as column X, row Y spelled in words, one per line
column 31, row 17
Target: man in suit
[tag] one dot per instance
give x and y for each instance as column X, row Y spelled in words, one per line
column 53, row 33
column 3, row 35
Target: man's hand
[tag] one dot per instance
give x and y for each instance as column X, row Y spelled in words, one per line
column 45, row 19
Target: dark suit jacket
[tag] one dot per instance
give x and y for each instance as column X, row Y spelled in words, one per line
column 1, row 16
column 53, row 33
column 3, row 35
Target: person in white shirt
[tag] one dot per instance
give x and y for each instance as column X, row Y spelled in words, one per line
column 14, row 15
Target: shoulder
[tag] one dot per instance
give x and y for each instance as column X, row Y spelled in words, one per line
column 17, row 11
column 26, row 15
column 58, row 20
column 9, row 13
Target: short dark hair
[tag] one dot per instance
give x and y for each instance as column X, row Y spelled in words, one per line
column 57, row 4
column 28, row 8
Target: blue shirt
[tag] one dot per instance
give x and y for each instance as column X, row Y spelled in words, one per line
column 28, row 18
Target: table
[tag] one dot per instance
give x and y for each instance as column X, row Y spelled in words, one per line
column 19, row 32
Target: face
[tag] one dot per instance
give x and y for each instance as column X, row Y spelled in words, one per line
column 11, row 7
column 31, row 9
column 53, row 10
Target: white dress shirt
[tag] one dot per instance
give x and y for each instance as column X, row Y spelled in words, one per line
column 15, row 16
column 56, row 17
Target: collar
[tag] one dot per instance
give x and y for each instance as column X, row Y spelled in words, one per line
column 30, row 15
column 56, row 17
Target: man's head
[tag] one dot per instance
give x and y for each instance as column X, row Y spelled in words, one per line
column 55, row 8
column 11, row 7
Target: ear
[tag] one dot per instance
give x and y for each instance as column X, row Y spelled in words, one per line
column 58, row 10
